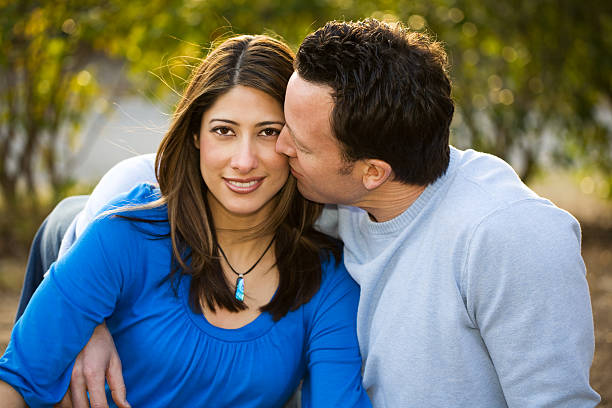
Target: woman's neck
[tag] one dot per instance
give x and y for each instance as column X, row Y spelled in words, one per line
column 242, row 253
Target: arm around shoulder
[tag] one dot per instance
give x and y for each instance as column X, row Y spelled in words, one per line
column 327, row 222
column 121, row 178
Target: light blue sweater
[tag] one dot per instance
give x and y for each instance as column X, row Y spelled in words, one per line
column 475, row 296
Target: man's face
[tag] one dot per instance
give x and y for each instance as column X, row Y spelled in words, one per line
column 314, row 153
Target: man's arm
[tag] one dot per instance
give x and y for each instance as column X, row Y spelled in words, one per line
column 119, row 179
column 527, row 293
column 327, row 222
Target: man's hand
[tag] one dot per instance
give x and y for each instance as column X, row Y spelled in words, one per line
column 97, row 361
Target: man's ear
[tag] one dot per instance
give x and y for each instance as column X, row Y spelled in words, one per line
column 196, row 141
column 375, row 173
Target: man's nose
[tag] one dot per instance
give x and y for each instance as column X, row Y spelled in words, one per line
column 284, row 143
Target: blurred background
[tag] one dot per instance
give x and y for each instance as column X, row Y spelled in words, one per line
column 85, row 84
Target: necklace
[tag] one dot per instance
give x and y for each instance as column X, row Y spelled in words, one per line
column 239, row 293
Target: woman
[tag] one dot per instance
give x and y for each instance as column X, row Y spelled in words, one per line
column 215, row 287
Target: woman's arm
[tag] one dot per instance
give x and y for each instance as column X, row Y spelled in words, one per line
column 333, row 357
column 81, row 290
column 9, row 397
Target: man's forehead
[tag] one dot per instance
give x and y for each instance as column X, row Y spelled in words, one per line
column 308, row 108
column 309, row 93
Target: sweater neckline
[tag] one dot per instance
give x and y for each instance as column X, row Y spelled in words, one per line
column 401, row 221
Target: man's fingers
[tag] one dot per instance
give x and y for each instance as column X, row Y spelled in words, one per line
column 78, row 389
column 114, row 377
column 95, row 386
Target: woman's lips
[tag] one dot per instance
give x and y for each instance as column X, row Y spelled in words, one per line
column 243, row 186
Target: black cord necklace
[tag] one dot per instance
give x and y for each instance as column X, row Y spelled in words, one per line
column 239, row 294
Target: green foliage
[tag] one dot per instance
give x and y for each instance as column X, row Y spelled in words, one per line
column 47, row 85
column 531, row 78
column 532, row 81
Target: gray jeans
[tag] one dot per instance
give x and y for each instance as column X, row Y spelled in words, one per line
column 45, row 246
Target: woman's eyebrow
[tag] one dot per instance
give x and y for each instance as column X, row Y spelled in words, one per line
column 223, row 120
column 264, row 123
column 270, row 122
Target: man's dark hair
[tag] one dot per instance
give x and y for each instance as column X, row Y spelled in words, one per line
column 391, row 91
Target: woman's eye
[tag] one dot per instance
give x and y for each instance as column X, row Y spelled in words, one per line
column 270, row 132
column 224, row 131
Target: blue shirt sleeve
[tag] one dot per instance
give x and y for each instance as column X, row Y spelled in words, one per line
column 80, row 292
column 334, row 377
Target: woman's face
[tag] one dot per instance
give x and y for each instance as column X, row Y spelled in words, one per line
column 238, row 160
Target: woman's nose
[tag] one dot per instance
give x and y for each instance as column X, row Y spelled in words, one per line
column 245, row 157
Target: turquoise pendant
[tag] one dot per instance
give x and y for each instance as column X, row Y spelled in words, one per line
column 239, row 288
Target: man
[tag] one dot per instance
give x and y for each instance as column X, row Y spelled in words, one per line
column 473, row 290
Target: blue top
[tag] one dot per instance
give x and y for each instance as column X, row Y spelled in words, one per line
column 171, row 356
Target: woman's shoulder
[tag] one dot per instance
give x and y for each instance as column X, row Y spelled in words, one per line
column 335, row 277
column 141, row 206
column 143, row 200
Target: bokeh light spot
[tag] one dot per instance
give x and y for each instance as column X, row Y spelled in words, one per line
column 69, row 26
column 506, row 97
column 455, row 15
column 587, row 185
column 83, row 78
column 495, row 82
column 509, row 54
column 469, row 29
column 416, row 22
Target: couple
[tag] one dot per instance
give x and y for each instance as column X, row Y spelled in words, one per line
column 219, row 289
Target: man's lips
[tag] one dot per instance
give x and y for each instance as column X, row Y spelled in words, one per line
column 243, row 186
column 294, row 172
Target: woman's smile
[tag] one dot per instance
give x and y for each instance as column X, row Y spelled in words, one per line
column 243, row 186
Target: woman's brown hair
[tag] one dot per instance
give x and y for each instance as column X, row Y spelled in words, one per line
column 266, row 64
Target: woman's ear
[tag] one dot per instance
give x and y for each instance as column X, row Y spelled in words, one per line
column 196, row 141
column 375, row 173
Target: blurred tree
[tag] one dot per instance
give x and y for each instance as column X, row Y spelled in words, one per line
column 52, row 51
column 531, row 78
column 45, row 88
